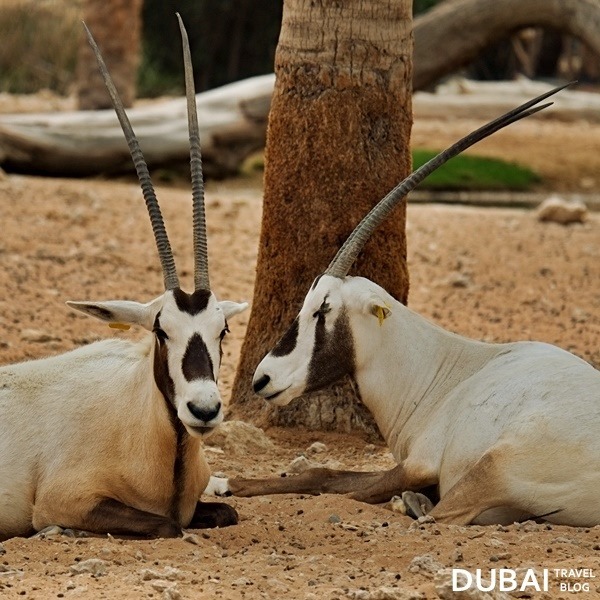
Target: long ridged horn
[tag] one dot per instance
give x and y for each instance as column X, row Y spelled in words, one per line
column 201, row 281
column 158, row 227
column 356, row 241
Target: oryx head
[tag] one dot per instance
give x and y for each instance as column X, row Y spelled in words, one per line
column 318, row 348
column 188, row 328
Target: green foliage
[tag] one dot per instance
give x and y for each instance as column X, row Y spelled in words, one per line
column 38, row 47
column 466, row 172
column 421, row 6
column 154, row 81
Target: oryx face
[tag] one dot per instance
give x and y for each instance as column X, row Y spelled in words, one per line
column 188, row 331
column 317, row 350
column 188, row 328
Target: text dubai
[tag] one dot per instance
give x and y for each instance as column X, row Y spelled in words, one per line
column 504, row 580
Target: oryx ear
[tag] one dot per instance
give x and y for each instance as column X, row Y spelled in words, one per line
column 120, row 314
column 379, row 309
column 231, row 309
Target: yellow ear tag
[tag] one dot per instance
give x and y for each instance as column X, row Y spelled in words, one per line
column 380, row 314
column 121, row 326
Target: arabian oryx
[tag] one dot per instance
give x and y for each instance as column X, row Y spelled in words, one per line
column 106, row 438
column 501, row 431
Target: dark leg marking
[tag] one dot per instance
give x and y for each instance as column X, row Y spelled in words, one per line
column 112, row 516
column 213, row 514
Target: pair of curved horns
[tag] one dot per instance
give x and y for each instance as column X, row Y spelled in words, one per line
column 201, row 280
column 347, row 254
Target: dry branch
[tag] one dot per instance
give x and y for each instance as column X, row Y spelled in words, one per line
column 233, row 125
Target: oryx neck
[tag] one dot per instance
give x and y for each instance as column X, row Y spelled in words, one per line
column 419, row 373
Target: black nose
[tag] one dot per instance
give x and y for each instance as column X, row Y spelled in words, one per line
column 261, row 383
column 204, row 414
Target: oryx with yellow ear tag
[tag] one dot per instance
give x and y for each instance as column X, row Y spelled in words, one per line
column 496, row 432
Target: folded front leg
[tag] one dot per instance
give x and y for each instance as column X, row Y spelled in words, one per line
column 366, row 486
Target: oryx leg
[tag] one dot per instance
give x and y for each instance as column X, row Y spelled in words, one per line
column 99, row 515
column 372, row 487
column 213, row 514
column 482, row 488
column 112, row 516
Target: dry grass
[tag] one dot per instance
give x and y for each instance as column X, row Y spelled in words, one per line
column 39, row 44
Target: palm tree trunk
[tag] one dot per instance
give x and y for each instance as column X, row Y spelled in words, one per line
column 337, row 142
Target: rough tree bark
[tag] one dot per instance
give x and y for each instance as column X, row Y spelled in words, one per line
column 116, row 26
column 337, row 141
column 454, row 32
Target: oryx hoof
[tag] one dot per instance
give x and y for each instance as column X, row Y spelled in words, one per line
column 52, row 531
column 417, row 504
column 213, row 514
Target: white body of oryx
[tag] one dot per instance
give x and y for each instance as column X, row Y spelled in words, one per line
column 442, row 402
column 86, row 425
column 506, row 431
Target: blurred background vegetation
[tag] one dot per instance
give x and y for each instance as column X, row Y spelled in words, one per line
column 38, row 48
column 230, row 40
column 41, row 42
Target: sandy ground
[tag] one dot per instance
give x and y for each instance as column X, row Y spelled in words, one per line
column 493, row 274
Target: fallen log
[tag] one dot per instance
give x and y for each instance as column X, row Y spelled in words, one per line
column 232, row 126
column 460, row 98
column 233, row 122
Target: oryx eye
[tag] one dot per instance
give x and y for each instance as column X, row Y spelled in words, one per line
column 160, row 334
column 224, row 332
column 323, row 309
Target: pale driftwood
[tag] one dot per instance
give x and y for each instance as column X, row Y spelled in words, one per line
column 232, row 121
column 234, row 117
column 461, row 98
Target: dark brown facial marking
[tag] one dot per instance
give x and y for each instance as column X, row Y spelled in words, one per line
column 191, row 303
column 333, row 353
column 288, row 342
column 197, row 363
column 162, row 377
column 161, row 336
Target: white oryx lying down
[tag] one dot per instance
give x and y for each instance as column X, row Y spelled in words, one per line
column 502, row 431
column 106, row 438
